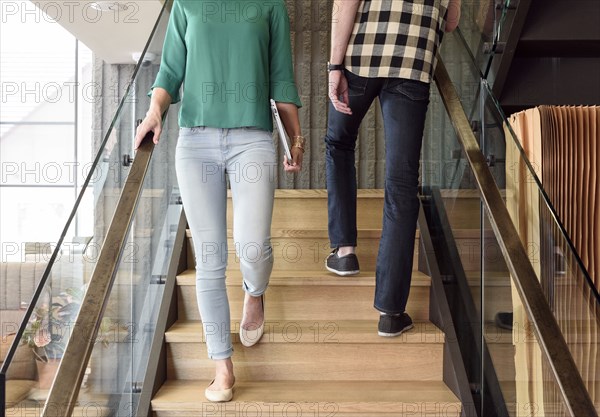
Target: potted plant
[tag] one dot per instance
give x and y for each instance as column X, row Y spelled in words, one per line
column 49, row 330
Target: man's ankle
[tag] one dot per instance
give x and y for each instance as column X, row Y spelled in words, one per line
column 346, row 250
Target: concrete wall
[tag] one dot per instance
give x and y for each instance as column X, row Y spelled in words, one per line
column 310, row 23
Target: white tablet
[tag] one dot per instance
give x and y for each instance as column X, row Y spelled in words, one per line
column 282, row 134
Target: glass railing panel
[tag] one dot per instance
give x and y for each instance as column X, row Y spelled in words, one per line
column 465, row 76
column 477, row 26
column 446, row 179
column 517, row 168
column 119, row 360
column 565, row 283
column 508, row 373
column 525, row 379
column 542, row 236
column 66, row 263
column 499, row 297
column 481, row 26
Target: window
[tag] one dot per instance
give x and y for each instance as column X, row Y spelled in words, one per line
column 45, row 132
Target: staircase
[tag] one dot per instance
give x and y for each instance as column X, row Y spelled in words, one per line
column 320, row 354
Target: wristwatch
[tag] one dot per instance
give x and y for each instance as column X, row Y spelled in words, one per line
column 335, row 67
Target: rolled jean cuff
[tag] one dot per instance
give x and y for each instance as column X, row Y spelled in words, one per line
column 256, row 293
column 222, row 355
column 339, row 245
column 385, row 311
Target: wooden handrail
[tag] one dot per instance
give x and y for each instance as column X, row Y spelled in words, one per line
column 551, row 341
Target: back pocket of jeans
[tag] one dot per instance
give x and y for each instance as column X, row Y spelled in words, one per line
column 414, row 90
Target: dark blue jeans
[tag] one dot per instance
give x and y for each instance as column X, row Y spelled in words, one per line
column 404, row 107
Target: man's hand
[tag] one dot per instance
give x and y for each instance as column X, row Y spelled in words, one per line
column 338, row 92
column 152, row 123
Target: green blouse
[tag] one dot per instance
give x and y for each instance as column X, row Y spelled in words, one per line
column 232, row 56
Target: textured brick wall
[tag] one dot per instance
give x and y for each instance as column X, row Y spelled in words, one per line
column 310, row 23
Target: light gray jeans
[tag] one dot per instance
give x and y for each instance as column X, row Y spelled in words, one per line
column 205, row 157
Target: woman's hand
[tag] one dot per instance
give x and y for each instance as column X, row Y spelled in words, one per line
column 151, row 123
column 291, row 123
column 297, row 156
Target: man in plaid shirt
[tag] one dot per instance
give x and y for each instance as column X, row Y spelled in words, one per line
column 385, row 49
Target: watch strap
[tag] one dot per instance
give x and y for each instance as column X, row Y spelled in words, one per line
column 335, row 67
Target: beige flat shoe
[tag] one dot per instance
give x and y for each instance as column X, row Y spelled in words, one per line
column 251, row 337
column 219, row 396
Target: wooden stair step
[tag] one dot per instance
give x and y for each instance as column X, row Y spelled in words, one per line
column 313, row 233
column 306, row 249
column 491, row 279
column 308, row 209
column 498, row 296
column 306, row 277
column 17, row 390
column 309, row 331
column 311, row 295
column 33, row 400
column 34, row 409
column 363, row 233
column 322, row 398
column 292, row 350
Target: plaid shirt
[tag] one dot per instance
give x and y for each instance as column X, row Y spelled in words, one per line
column 396, row 39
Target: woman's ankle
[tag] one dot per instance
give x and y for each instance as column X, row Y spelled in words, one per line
column 224, row 376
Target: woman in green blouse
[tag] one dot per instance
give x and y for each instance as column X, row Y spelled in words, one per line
column 232, row 57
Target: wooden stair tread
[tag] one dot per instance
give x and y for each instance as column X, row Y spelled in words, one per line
column 34, row 409
column 322, row 367
column 492, row 278
column 316, row 233
column 304, row 278
column 311, row 331
column 346, row 396
column 17, row 389
column 369, row 193
column 32, row 402
column 363, row 233
column 321, row 193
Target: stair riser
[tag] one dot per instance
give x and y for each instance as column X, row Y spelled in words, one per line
column 307, row 361
column 293, row 354
column 309, row 303
column 497, row 299
column 309, row 253
column 311, row 213
column 294, row 253
column 469, row 250
column 503, row 357
column 314, row 331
